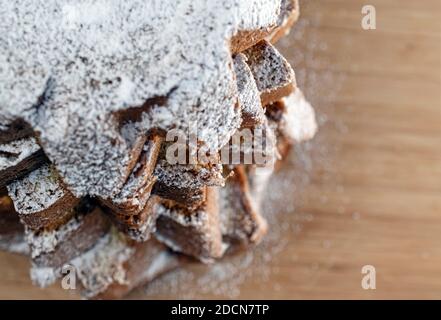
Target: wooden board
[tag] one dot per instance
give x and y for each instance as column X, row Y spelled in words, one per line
column 371, row 195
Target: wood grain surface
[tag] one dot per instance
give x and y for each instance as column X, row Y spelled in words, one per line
column 367, row 190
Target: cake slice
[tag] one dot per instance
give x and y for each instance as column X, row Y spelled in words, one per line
column 256, row 25
column 149, row 260
column 136, row 191
column 115, row 265
column 195, row 233
column 293, row 120
column 252, row 112
column 245, row 39
column 135, row 137
column 41, row 199
column 274, row 76
column 138, row 227
column 18, row 158
column 241, row 222
column 289, row 14
column 186, row 183
column 51, row 250
column 132, row 209
column 137, row 188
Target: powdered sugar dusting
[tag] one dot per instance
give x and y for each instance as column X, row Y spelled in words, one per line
column 299, row 122
column 269, row 67
column 125, row 90
column 226, row 278
column 15, row 152
column 249, row 96
column 37, row 191
column 105, row 262
column 189, row 176
column 196, row 219
column 68, row 66
column 43, row 276
column 46, row 241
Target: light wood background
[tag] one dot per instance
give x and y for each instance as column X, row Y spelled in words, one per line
column 372, row 192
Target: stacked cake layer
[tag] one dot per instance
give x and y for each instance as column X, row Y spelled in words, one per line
column 152, row 144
